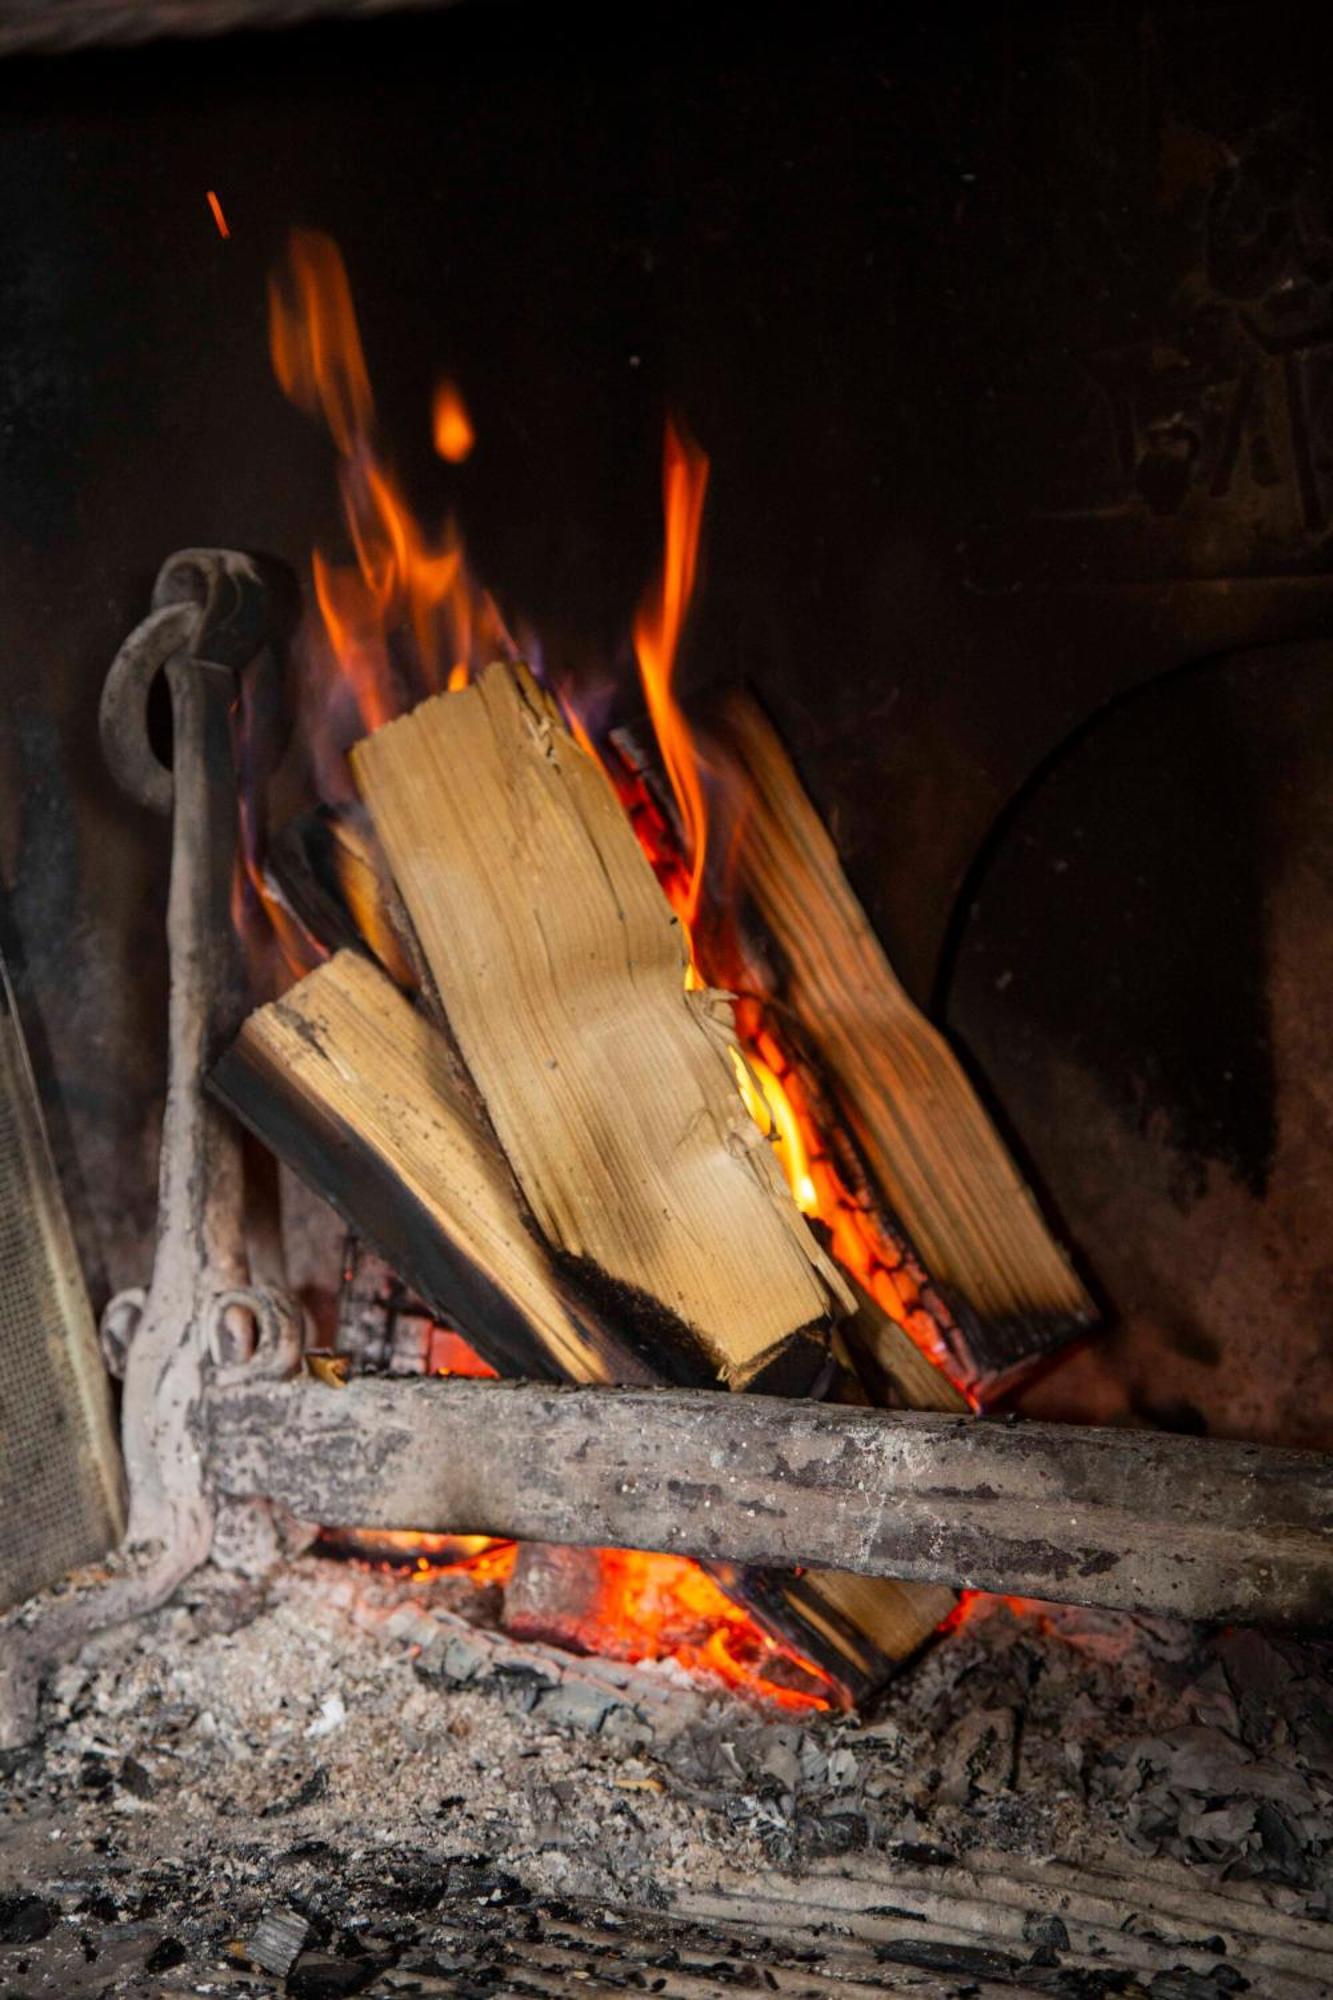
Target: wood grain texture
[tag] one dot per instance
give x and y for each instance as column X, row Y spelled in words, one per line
column 345, row 1080
column 1189, row 1527
column 928, row 1143
column 561, row 968
column 398, row 1149
column 892, row 1369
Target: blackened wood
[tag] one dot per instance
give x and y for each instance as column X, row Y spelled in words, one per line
column 1125, row 1520
column 329, row 867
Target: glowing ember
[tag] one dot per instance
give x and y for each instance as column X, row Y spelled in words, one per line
column 477, row 1556
column 215, row 209
column 654, row 1607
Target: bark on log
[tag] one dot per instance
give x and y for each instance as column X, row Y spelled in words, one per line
column 561, row 971
column 944, row 1177
column 1130, row 1521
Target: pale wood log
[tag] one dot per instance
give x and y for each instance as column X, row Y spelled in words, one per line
column 611, row 1088
column 1191, row 1527
column 931, row 1151
column 345, row 1080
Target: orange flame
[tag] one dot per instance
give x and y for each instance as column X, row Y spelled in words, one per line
column 452, row 426
column 277, row 945
column 314, row 340
column 481, row 1558
column 404, row 619
column 657, row 631
column 654, row 1607
column 772, row 1085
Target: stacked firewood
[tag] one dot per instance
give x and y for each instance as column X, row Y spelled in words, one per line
column 546, row 1133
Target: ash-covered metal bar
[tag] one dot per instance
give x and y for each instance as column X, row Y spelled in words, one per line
column 1135, row 1521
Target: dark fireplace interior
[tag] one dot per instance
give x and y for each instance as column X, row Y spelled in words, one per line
column 1008, row 333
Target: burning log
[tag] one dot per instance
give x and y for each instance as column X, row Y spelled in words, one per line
column 858, row 1630
column 352, row 1086
column 944, row 1177
column 1128, row 1520
column 610, row 1087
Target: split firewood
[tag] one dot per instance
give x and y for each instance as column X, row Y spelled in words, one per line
column 858, row 1630
column 349, row 1083
column 561, row 972
column 944, row 1177
column 331, row 872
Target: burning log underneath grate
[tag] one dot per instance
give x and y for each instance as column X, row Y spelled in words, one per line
column 1125, row 1520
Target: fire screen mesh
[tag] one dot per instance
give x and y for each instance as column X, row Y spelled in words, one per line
column 59, row 1470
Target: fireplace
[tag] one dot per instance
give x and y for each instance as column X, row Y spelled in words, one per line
column 849, row 516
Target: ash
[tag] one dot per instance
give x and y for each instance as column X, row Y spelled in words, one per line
column 337, row 1781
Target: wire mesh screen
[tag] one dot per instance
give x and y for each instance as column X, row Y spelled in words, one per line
column 59, row 1469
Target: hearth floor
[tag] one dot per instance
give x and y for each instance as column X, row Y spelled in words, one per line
column 1047, row 1802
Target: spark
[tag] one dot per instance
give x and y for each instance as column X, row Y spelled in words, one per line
column 218, row 217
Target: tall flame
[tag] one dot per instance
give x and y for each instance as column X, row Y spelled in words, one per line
column 657, row 631
column 314, row 340
column 404, row 619
column 773, row 1086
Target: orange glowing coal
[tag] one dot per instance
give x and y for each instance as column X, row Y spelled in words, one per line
column 653, row 1607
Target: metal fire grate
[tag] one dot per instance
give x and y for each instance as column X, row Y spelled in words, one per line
column 59, row 1468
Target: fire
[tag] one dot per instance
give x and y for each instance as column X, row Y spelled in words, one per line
column 657, row 631
column 453, row 432
column 404, row 619
column 771, row 1082
column 277, row 945
column 772, row 1111
column 654, row 1607
column 481, row 1559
